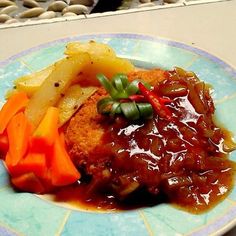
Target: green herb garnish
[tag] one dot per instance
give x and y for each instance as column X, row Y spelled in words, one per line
column 124, row 98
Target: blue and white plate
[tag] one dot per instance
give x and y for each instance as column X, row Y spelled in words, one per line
column 29, row 214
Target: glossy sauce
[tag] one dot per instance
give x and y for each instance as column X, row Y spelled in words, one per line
column 182, row 161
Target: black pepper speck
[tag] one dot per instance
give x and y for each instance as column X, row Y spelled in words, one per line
column 56, row 84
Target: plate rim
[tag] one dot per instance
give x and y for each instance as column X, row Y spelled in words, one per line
column 227, row 67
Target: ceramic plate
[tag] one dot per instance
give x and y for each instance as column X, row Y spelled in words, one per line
column 28, row 214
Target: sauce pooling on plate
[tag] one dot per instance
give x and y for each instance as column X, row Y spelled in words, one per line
column 182, row 160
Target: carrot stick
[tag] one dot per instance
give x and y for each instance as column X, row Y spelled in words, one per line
column 33, row 162
column 14, row 104
column 8, row 161
column 63, row 171
column 4, row 143
column 62, row 138
column 18, row 131
column 28, row 182
column 47, row 130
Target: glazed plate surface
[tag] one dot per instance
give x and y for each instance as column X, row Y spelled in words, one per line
column 29, row 214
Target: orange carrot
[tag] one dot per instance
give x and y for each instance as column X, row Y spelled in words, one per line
column 14, row 104
column 47, row 130
column 18, row 131
column 28, row 182
column 62, row 138
column 46, row 179
column 63, row 171
column 33, row 162
column 8, row 161
column 34, row 168
column 4, row 143
column 13, row 170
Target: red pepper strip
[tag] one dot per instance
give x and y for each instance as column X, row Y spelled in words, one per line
column 141, row 98
column 165, row 100
column 124, row 100
column 167, row 74
column 137, row 98
column 157, row 103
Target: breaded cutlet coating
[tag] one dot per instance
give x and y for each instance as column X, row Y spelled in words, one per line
column 150, row 76
column 86, row 128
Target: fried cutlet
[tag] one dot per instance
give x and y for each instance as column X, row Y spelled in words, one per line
column 86, row 128
column 84, row 137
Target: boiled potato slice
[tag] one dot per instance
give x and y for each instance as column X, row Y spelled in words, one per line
column 103, row 60
column 74, row 97
column 30, row 83
column 106, row 65
column 91, row 47
column 54, row 86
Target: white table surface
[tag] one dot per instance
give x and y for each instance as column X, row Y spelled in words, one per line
column 210, row 27
column 207, row 26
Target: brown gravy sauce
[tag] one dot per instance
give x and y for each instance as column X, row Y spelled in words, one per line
column 182, row 162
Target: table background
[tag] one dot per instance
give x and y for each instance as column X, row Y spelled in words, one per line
column 206, row 26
